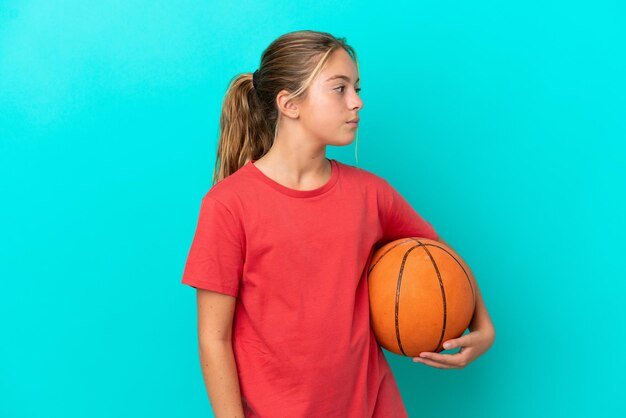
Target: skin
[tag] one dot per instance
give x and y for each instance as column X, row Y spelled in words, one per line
column 297, row 159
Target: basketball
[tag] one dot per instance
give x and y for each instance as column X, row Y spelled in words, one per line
column 421, row 295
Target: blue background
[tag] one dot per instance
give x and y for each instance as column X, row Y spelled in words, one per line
column 503, row 123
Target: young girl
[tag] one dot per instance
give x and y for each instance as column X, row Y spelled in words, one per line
column 283, row 241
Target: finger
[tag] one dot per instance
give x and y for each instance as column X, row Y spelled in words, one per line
column 452, row 344
column 455, row 359
column 432, row 363
column 462, row 341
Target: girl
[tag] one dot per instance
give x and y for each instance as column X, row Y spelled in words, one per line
column 283, row 241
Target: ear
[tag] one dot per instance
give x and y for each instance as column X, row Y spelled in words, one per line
column 287, row 107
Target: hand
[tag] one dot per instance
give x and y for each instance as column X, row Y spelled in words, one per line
column 473, row 345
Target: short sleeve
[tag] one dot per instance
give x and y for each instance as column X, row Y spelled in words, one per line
column 215, row 260
column 399, row 219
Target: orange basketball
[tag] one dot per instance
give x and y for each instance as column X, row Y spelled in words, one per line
column 421, row 295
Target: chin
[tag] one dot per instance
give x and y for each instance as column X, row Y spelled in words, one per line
column 339, row 142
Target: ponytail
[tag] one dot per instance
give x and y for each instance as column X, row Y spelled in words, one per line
column 250, row 116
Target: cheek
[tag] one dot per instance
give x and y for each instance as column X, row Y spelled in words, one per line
column 324, row 111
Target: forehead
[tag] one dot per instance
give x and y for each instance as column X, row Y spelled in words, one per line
column 339, row 67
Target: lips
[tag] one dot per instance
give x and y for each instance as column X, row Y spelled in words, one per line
column 354, row 120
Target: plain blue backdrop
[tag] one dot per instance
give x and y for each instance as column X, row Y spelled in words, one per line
column 503, row 123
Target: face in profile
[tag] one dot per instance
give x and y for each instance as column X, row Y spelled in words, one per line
column 332, row 101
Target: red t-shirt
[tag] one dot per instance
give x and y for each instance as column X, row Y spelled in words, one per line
column 296, row 260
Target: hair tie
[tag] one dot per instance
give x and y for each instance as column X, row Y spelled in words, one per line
column 255, row 79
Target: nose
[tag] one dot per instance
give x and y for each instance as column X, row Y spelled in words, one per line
column 357, row 102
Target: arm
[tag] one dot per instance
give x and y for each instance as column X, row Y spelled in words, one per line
column 480, row 338
column 481, row 319
column 219, row 370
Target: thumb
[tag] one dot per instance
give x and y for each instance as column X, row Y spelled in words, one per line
column 454, row 343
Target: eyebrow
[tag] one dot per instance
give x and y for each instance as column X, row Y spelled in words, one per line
column 344, row 77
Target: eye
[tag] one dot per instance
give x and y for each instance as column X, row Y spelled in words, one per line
column 358, row 90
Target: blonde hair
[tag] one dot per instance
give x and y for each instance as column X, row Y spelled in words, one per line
column 249, row 119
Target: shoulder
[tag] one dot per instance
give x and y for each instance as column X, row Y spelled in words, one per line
column 361, row 176
column 359, row 173
column 230, row 191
